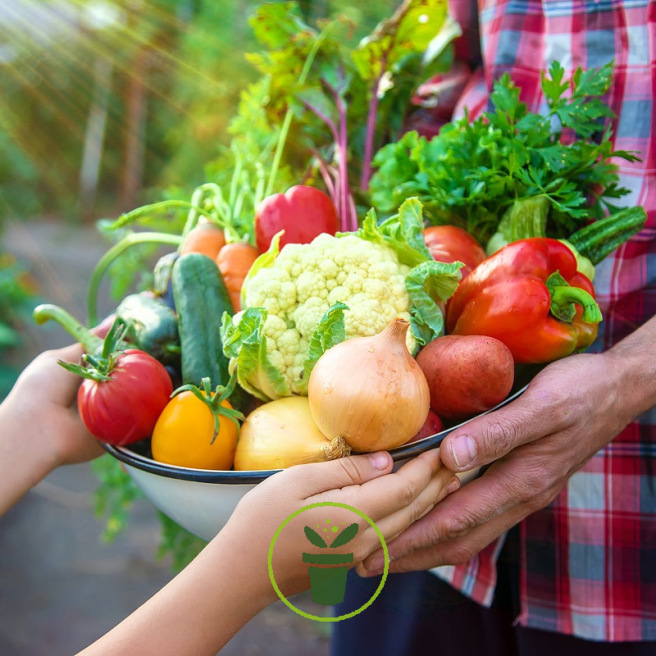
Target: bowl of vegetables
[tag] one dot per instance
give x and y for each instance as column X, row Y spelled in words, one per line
column 331, row 347
column 202, row 500
column 286, row 431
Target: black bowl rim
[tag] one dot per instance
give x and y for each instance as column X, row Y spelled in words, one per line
column 232, row 477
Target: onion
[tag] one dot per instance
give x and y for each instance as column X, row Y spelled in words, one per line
column 370, row 391
column 280, row 434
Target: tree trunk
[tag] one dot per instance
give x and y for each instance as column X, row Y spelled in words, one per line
column 95, row 135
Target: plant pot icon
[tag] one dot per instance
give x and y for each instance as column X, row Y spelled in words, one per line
column 328, row 570
column 328, row 584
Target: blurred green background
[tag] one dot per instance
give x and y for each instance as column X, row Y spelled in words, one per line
column 108, row 104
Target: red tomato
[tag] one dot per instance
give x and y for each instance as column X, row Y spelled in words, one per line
column 449, row 243
column 125, row 408
column 302, row 212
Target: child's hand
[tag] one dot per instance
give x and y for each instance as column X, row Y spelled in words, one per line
column 43, row 401
column 392, row 500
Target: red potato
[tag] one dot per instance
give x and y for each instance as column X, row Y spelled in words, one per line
column 432, row 426
column 466, row 374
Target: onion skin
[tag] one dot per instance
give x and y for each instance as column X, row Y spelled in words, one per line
column 282, row 433
column 370, row 391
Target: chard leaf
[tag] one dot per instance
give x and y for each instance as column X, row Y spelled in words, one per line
column 410, row 30
column 345, row 536
column 427, row 284
column 245, row 343
column 329, row 331
column 275, row 24
column 318, row 102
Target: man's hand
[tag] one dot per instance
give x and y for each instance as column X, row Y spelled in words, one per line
column 570, row 410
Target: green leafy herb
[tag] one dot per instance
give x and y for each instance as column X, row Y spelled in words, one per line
column 472, row 172
column 177, row 542
column 114, row 496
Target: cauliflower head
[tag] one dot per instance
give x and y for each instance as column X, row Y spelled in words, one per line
column 305, row 299
column 305, row 280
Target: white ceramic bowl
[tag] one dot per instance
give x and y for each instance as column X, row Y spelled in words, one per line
column 202, row 500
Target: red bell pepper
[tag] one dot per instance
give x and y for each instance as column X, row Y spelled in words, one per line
column 302, row 212
column 530, row 296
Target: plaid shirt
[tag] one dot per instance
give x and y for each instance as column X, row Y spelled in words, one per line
column 588, row 560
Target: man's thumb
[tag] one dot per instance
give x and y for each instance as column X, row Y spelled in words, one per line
column 488, row 438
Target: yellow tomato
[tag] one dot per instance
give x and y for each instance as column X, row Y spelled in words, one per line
column 183, row 435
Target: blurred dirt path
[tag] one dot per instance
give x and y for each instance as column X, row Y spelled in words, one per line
column 61, row 587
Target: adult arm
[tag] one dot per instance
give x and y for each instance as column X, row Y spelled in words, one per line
column 571, row 410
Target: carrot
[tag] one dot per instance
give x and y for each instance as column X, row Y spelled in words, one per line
column 234, row 261
column 206, row 238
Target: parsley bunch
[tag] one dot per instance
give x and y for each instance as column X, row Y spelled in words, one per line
column 471, row 173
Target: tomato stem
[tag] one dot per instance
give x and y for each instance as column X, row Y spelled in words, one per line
column 213, row 400
column 99, row 364
column 47, row 312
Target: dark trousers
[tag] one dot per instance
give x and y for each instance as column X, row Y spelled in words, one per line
column 417, row 614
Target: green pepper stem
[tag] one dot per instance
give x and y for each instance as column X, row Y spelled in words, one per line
column 48, row 312
column 116, row 250
column 562, row 295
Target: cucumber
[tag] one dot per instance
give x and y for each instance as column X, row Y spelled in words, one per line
column 201, row 298
column 152, row 326
column 599, row 239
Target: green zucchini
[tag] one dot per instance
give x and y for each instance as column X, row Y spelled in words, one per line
column 599, row 239
column 152, row 326
column 201, row 298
